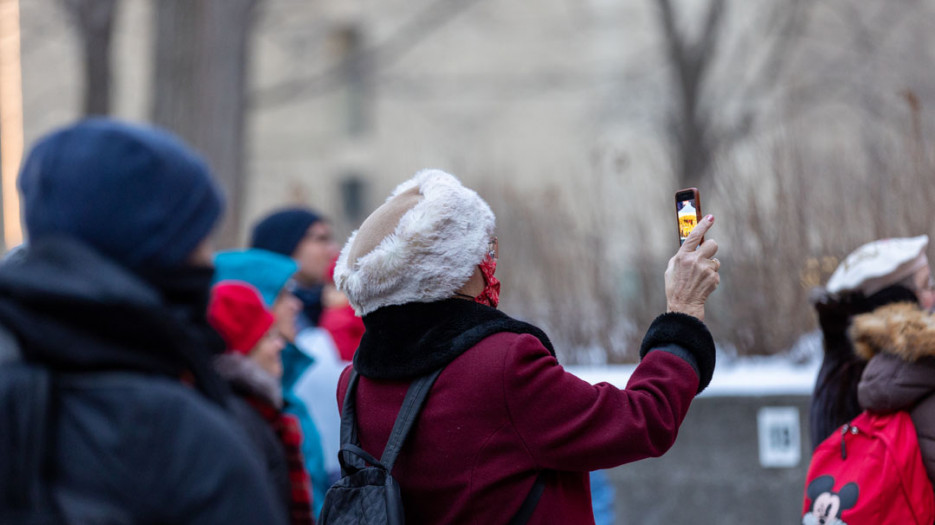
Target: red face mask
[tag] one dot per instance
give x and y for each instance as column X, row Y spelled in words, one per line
column 491, row 294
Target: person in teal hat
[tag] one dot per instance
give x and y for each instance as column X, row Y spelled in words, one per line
column 269, row 273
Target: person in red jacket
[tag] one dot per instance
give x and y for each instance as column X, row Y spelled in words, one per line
column 339, row 319
column 503, row 413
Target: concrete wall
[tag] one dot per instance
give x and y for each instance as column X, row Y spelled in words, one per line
column 713, row 473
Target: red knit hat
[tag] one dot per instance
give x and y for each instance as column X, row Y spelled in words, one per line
column 237, row 312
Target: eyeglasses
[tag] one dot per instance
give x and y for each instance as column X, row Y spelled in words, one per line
column 493, row 249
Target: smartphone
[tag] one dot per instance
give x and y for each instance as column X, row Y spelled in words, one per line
column 687, row 211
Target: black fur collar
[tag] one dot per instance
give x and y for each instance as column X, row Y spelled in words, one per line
column 411, row 340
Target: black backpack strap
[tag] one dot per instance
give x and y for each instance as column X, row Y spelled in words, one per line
column 532, row 500
column 412, row 404
column 350, row 455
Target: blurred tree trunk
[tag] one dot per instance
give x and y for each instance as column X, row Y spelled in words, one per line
column 690, row 61
column 199, row 87
column 94, row 21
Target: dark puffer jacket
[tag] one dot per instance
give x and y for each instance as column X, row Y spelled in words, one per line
column 899, row 341
column 131, row 442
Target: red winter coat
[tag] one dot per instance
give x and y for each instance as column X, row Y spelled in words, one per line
column 504, row 409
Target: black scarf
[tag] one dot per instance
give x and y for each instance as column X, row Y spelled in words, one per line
column 411, row 340
column 311, row 305
column 74, row 310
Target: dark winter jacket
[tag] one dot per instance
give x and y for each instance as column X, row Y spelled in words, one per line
column 131, row 443
column 503, row 410
column 267, row 449
column 899, row 341
column 260, row 413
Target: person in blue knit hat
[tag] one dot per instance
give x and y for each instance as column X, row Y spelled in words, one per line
column 112, row 291
column 269, row 272
column 307, row 237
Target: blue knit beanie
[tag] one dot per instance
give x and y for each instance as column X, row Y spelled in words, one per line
column 281, row 231
column 268, row 272
column 136, row 194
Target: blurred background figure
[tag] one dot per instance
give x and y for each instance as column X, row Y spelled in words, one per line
column 106, row 309
column 308, row 239
column 252, row 365
column 898, row 342
column 269, row 272
column 877, row 274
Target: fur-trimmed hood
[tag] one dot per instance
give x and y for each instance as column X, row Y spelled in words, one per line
column 901, row 329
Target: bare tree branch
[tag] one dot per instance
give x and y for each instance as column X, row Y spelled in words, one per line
column 689, row 62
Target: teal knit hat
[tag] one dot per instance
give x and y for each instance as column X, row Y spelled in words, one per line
column 268, row 272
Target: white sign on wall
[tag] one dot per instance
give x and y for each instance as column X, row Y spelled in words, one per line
column 779, row 436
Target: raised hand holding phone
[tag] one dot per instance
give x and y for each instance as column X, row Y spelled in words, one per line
column 692, row 273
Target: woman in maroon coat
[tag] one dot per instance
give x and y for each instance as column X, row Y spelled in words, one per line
column 503, row 411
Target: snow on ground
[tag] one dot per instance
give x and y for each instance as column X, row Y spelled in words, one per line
column 792, row 373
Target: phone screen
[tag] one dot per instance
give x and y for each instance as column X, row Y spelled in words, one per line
column 688, row 211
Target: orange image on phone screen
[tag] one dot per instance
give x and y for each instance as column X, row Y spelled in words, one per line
column 688, row 211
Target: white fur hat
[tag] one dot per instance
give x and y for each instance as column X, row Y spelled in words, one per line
column 420, row 246
column 879, row 264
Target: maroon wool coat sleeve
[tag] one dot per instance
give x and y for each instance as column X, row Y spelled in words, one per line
column 569, row 424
